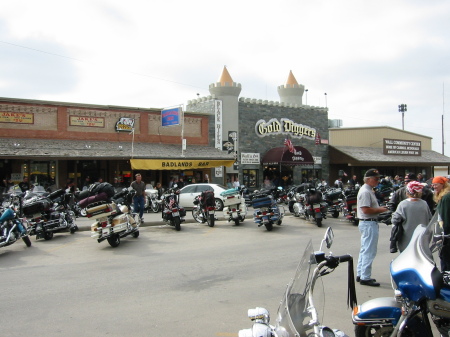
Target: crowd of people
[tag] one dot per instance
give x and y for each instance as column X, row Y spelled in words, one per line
column 413, row 204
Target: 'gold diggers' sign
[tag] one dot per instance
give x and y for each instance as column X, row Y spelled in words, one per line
column 169, row 164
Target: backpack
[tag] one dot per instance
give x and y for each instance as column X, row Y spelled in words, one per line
column 207, row 198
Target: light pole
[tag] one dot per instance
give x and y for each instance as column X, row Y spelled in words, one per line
column 402, row 108
column 306, row 91
column 326, row 104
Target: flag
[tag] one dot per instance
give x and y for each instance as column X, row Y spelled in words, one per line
column 317, row 138
column 289, row 144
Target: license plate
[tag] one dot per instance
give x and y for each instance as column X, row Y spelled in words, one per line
column 235, row 214
column 105, row 231
column 316, row 206
column 175, row 214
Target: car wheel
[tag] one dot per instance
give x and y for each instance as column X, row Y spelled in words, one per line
column 219, row 205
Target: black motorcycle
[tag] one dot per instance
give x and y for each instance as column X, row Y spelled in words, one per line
column 172, row 212
column 205, row 207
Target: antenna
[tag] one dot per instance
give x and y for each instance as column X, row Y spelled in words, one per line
column 443, row 105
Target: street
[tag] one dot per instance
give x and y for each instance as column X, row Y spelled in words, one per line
column 197, row 282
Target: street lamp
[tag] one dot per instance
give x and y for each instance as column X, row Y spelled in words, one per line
column 306, row 91
column 326, row 104
column 402, row 108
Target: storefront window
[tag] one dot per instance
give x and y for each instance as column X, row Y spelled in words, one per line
column 250, row 178
column 42, row 173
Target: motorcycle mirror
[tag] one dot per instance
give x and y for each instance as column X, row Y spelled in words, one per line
column 328, row 238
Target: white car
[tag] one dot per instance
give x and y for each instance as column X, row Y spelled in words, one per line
column 189, row 192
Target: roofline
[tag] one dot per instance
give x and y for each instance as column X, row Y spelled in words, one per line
column 379, row 127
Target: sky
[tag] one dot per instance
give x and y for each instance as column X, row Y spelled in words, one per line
column 360, row 59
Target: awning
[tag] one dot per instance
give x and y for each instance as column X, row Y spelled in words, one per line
column 282, row 156
column 171, row 164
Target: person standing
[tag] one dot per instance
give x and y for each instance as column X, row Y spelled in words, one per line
column 410, row 213
column 139, row 198
column 442, row 198
column 353, row 181
column 24, row 184
column 367, row 210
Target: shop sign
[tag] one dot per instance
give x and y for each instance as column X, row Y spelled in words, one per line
column 125, row 124
column 173, row 164
column 170, row 117
column 284, row 126
column 218, row 124
column 16, row 117
column 402, row 147
column 250, row 158
column 317, row 160
column 96, row 122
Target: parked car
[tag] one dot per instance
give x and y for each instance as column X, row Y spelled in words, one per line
column 189, row 192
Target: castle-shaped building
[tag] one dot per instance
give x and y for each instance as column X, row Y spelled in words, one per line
column 271, row 140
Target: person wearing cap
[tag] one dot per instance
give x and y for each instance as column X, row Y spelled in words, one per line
column 368, row 210
column 410, row 213
column 442, row 198
column 400, row 194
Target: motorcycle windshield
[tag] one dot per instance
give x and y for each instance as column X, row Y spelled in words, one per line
column 294, row 312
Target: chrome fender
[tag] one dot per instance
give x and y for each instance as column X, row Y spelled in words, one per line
column 383, row 310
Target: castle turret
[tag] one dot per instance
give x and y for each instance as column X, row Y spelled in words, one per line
column 225, row 86
column 291, row 92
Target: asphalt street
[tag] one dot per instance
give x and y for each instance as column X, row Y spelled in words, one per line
column 199, row 281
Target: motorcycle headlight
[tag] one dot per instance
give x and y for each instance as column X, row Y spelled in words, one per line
column 259, row 315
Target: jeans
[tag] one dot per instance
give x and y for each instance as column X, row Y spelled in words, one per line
column 139, row 203
column 369, row 241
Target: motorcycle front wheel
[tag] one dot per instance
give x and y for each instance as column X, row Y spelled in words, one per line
column 335, row 214
column 196, row 212
column 27, row 240
column 155, row 207
column 48, row 235
column 211, row 220
column 135, row 234
column 114, row 240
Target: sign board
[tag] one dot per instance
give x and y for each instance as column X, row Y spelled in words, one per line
column 250, row 158
column 402, row 147
column 317, row 160
column 218, row 124
column 125, row 124
column 95, row 122
column 170, row 117
column 16, row 117
column 218, row 171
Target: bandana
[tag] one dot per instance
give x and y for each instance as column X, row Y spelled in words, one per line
column 439, row 180
column 414, row 187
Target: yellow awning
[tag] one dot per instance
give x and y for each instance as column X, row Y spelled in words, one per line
column 175, row 164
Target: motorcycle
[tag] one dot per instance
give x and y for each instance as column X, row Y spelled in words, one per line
column 113, row 218
column 297, row 314
column 266, row 211
column 420, row 291
column 349, row 204
column 12, row 228
column 172, row 212
column 45, row 217
column 205, row 207
column 151, row 201
column 314, row 208
column 235, row 208
column 333, row 197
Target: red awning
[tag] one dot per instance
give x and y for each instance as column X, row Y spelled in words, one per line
column 282, row 156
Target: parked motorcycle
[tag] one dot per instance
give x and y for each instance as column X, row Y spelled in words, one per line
column 151, row 201
column 349, row 201
column 333, row 197
column 297, row 314
column 314, row 207
column 172, row 212
column 235, row 208
column 12, row 228
column 113, row 217
column 45, row 217
column 420, row 291
column 205, row 208
column 266, row 211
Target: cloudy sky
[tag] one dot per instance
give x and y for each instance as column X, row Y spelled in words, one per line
column 367, row 56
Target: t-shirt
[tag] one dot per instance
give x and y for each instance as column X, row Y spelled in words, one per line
column 366, row 198
column 138, row 187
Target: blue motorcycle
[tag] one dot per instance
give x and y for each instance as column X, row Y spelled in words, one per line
column 266, row 211
column 420, row 291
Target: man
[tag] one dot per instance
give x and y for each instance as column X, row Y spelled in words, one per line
column 139, row 198
column 338, row 183
column 368, row 209
column 400, row 194
column 353, row 181
column 24, row 185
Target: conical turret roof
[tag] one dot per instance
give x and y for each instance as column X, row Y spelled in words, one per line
column 225, row 77
column 291, row 79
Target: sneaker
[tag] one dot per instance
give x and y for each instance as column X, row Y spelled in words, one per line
column 359, row 279
column 142, row 220
column 370, row 283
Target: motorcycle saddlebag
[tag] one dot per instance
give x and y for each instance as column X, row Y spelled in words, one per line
column 56, row 194
column 103, row 208
column 232, row 199
column 182, row 212
column 262, row 202
column 38, row 206
column 333, row 196
column 314, row 197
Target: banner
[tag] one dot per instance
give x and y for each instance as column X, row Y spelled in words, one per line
column 175, row 164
